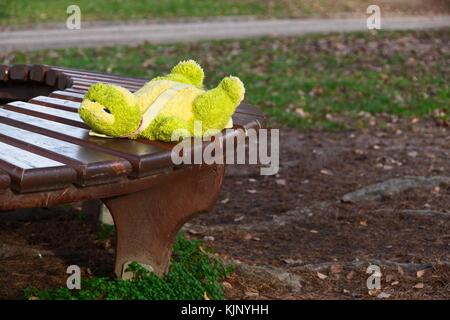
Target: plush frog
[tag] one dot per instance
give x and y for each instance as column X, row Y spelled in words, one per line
column 172, row 103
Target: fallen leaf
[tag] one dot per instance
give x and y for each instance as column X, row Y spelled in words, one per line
column 373, row 292
column 326, row 172
column 224, row 201
column 313, row 231
column 321, row 276
column 412, row 154
column 251, row 294
column 194, row 232
column 251, row 191
column 227, row 285
column 292, row 261
column 280, row 182
column 383, row 295
column 389, row 278
column 420, row 273
column 301, row 113
column 205, row 296
column 350, row 275
column 248, row 236
column 420, row 285
column 336, row 268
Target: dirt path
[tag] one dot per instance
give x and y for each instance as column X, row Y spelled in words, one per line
column 297, row 226
column 292, row 233
column 113, row 34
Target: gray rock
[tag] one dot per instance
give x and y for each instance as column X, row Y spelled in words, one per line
column 270, row 275
column 392, row 187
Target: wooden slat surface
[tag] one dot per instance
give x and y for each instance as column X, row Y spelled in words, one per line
column 93, row 167
column 31, row 172
column 57, row 103
column 145, row 158
column 63, row 116
column 72, row 96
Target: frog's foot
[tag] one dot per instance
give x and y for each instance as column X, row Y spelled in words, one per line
column 215, row 107
column 189, row 72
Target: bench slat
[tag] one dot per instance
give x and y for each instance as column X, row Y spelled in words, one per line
column 62, row 116
column 146, row 158
column 93, row 167
column 31, row 172
column 84, row 85
column 19, row 72
column 57, row 103
column 74, row 73
column 37, row 73
column 67, row 95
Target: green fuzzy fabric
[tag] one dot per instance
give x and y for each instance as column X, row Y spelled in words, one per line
column 114, row 111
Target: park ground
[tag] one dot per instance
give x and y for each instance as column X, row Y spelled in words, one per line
column 353, row 110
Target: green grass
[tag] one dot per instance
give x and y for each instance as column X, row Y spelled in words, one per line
column 21, row 12
column 318, row 81
column 27, row 12
column 193, row 275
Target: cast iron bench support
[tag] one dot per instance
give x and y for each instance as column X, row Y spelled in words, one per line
column 148, row 221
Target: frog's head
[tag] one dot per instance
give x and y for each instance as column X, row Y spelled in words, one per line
column 110, row 110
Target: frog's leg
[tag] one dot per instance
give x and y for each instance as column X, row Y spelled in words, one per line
column 215, row 107
column 189, row 72
column 167, row 128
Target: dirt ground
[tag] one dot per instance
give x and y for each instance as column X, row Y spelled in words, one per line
column 293, row 234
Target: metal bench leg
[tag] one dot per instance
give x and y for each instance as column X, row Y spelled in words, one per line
column 148, row 221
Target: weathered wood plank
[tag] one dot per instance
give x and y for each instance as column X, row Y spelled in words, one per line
column 98, row 75
column 37, row 73
column 51, row 77
column 64, row 81
column 19, row 72
column 56, row 103
column 72, row 96
column 30, row 172
column 247, row 121
column 93, row 167
column 62, row 116
column 84, row 85
column 146, row 158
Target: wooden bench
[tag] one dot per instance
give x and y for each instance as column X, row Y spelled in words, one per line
column 47, row 158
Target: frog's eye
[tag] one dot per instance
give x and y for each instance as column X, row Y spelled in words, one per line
column 107, row 110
